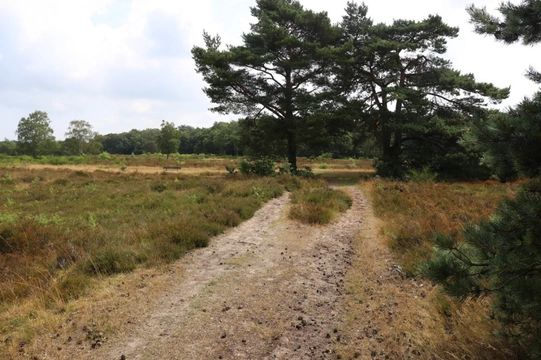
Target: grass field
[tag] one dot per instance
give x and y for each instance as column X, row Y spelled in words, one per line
column 155, row 162
column 68, row 224
column 65, row 229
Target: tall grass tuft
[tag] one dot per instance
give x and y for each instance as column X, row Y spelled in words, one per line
column 318, row 204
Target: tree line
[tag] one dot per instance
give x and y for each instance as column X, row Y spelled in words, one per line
column 303, row 86
column 35, row 137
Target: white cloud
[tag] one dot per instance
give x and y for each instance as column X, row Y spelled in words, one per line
column 124, row 64
column 141, row 106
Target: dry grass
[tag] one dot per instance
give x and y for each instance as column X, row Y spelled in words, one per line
column 392, row 316
column 414, row 212
column 64, row 232
column 337, row 170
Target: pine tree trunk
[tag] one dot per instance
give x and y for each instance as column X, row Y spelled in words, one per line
column 292, row 151
column 290, row 123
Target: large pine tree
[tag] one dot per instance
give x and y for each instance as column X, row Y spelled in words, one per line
column 416, row 102
column 278, row 78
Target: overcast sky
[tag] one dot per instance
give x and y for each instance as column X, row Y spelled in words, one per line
column 126, row 64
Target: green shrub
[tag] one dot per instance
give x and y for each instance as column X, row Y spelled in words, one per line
column 306, row 172
column 7, row 179
column 325, row 156
column 323, row 166
column 104, row 156
column 7, row 218
column 159, row 187
column 261, row 167
column 423, row 175
column 57, row 160
column 286, row 169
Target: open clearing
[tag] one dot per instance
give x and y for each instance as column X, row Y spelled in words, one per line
column 270, row 288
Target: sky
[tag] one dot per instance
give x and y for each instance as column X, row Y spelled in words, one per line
column 126, row 64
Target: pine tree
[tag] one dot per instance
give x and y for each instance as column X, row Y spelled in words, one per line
column 278, row 78
column 512, row 139
column 501, row 257
column 417, row 104
column 520, row 22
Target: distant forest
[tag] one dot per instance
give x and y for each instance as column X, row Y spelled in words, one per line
column 223, row 138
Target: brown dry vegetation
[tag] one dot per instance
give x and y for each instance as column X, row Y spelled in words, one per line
column 412, row 318
column 71, row 227
column 156, row 162
column 61, row 231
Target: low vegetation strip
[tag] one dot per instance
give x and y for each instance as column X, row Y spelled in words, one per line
column 318, row 203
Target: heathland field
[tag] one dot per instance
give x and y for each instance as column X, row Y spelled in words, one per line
column 79, row 235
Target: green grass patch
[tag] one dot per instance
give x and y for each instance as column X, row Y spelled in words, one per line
column 318, row 204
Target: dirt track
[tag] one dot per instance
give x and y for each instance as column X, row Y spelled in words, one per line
column 267, row 289
column 270, row 288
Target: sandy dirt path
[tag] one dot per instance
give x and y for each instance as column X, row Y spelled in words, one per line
column 270, row 288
